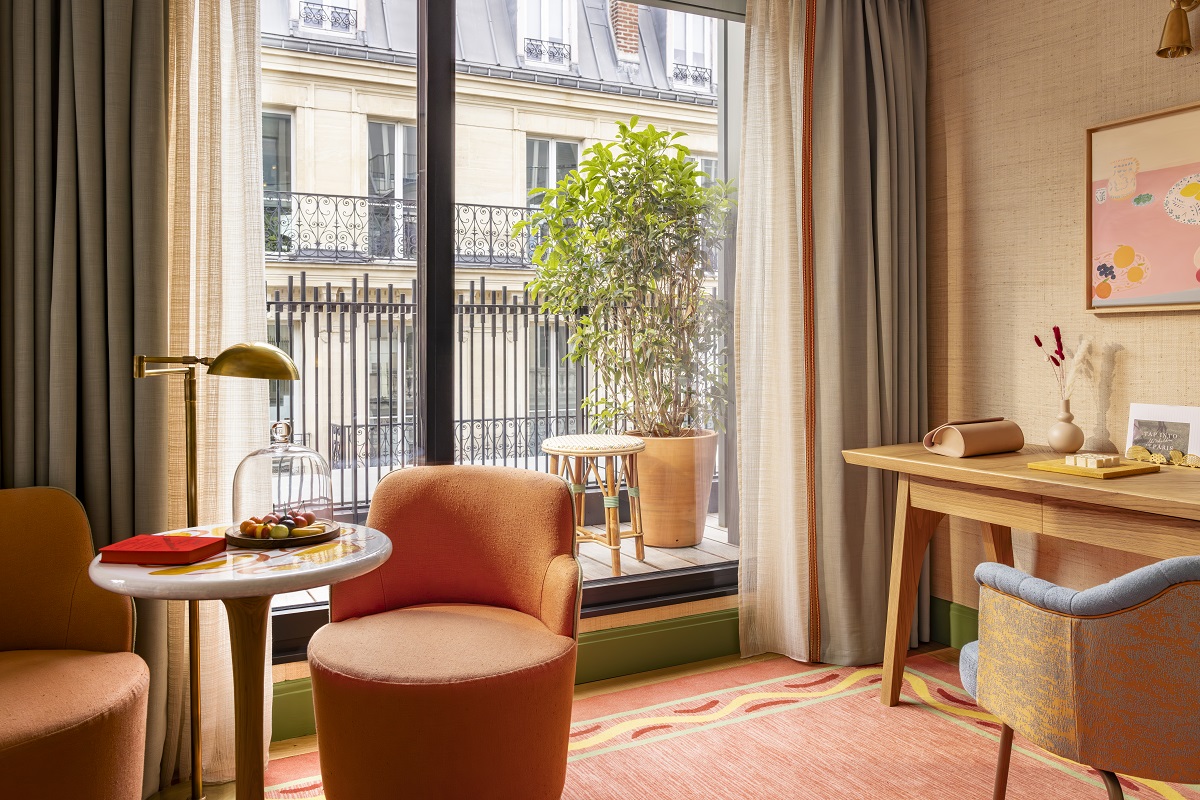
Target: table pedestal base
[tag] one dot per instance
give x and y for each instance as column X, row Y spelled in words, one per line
column 248, row 618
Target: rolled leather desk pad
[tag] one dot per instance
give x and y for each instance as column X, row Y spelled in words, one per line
column 976, row 437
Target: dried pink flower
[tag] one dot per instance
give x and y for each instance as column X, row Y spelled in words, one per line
column 1037, row 340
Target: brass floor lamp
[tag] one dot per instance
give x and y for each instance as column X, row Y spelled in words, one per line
column 247, row 360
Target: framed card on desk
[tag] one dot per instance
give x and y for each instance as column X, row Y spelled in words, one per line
column 1161, row 429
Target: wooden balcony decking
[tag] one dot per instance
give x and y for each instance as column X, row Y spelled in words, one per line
column 714, row 549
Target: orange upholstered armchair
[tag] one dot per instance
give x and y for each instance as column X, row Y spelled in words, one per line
column 72, row 695
column 448, row 672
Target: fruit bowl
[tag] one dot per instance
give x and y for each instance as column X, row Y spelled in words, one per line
column 273, row 531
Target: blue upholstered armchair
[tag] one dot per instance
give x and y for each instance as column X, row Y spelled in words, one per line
column 1108, row 677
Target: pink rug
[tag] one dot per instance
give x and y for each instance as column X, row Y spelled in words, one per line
column 782, row 729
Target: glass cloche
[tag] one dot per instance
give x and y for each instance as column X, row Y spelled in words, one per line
column 282, row 478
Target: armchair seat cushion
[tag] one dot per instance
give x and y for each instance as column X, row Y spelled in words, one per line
column 968, row 667
column 72, row 723
column 442, row 701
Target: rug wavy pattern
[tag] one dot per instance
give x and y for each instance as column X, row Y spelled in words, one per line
column 780, row 728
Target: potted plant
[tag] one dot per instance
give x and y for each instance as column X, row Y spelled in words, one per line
column 626, row 250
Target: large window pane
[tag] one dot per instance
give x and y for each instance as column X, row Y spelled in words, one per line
column 277, row 152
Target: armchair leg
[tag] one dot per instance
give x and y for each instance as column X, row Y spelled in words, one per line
column 1002, row 761
column 1112, row 785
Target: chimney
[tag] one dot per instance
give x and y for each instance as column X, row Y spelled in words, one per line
column 623, row 18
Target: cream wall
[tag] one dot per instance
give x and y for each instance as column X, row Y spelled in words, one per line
column 1013, row 85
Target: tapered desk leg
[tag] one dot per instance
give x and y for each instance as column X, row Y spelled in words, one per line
column 248, row 618
column 914, row 528
column 997, row 543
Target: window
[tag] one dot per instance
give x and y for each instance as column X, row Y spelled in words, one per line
column 547, row 162
column 328, row 18
column 279, row 333
column 553, row 390
column 546, row 27
column 386, row 362
column 391, row 225
column 707, row 165
column 693, row 47
column 277, row 152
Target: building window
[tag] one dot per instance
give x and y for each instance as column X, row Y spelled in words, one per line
column 277, row 152
column 553, row 388
column 391, row 217
column 693, row 47
column 328, row 18
column 707, row 165
column 547, row 162
column 546, row 31
column 279, row 333
column 386, row 363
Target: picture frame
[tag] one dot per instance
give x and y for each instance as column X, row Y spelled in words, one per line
column 1161, row 429
column 1143, row 213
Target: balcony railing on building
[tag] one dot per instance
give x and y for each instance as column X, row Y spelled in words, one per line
column 320, row 16
column 350, row 229
column 355, row 402
column 690, row 76
column 547, row 52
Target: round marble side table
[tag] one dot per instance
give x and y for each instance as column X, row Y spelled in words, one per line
column 245, row 580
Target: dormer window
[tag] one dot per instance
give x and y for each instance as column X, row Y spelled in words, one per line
column 547, row 32
column 693, row 48
column 339, row 18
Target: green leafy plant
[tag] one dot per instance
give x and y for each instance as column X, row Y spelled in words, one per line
column 626, row 249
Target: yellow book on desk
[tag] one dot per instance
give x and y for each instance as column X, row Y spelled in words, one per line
column 1125, row 469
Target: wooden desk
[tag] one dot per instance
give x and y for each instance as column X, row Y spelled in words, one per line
column 1155, row 515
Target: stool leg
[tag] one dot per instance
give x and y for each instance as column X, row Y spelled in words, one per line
column 612, row 512
column 635, row 504
column 578, row 468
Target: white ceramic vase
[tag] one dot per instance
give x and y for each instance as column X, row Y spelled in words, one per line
column 1065, row 436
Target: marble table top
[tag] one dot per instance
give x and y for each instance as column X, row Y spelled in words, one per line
column 238, row 572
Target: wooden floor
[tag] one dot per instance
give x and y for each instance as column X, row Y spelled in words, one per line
column 714, row 549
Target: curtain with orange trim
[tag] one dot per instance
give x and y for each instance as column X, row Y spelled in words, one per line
column 830, row 315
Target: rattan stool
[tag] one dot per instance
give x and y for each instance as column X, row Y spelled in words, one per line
column 576, row 457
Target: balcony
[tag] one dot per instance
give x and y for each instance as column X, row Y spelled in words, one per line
column 685, row 76
column 322, row 17
column 547, row 52
column 328, row 228
column 355, row 402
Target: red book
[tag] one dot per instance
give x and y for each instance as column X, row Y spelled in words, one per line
column 162, row 550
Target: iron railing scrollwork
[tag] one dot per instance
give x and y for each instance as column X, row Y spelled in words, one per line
column 696, row 76
column 345, row 228
column 326, row 17
column 547, row 51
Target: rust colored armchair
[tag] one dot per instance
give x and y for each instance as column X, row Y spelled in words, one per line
column 448, row 672
column 72, row 695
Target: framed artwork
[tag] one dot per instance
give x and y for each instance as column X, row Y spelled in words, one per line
column 1161, row 429
column 1143, row 221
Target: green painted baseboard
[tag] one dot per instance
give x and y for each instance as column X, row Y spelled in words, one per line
column 952, row 624
column 602, row 654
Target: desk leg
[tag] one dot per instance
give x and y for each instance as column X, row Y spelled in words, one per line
column 913, row 530
column 997, row 543
column 248, row 618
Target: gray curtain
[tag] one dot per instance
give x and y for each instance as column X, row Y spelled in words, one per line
column 869, row 241
column 83, row 281
column 83, row 277
column 830, row 315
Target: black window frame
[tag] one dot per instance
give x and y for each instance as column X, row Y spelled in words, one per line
column 293, row 626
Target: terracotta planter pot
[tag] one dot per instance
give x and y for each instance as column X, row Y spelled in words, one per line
column 675, row 475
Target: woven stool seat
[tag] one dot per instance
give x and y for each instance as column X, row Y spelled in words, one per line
column 593, row 444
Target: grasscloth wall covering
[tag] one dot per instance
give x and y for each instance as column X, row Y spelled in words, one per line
column 1013, row 86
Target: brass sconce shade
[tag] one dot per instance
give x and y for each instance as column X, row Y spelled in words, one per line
column 1177, row 34
column 254, row 360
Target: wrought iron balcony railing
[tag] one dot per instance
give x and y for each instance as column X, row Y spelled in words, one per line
column 348, row 229
column 547, row 52
column 330, row 18
column 695, row 76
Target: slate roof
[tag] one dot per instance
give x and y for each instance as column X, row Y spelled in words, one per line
column 487, row 45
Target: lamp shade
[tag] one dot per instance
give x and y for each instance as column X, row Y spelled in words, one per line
column 1177, row 35
column 254, row 360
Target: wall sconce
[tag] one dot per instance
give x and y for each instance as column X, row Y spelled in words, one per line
column 1177, row 35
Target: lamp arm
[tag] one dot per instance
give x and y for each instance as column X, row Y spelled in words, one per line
column 188, row 363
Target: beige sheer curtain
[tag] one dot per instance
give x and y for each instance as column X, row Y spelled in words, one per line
column 217, row 298
column 830, row 326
